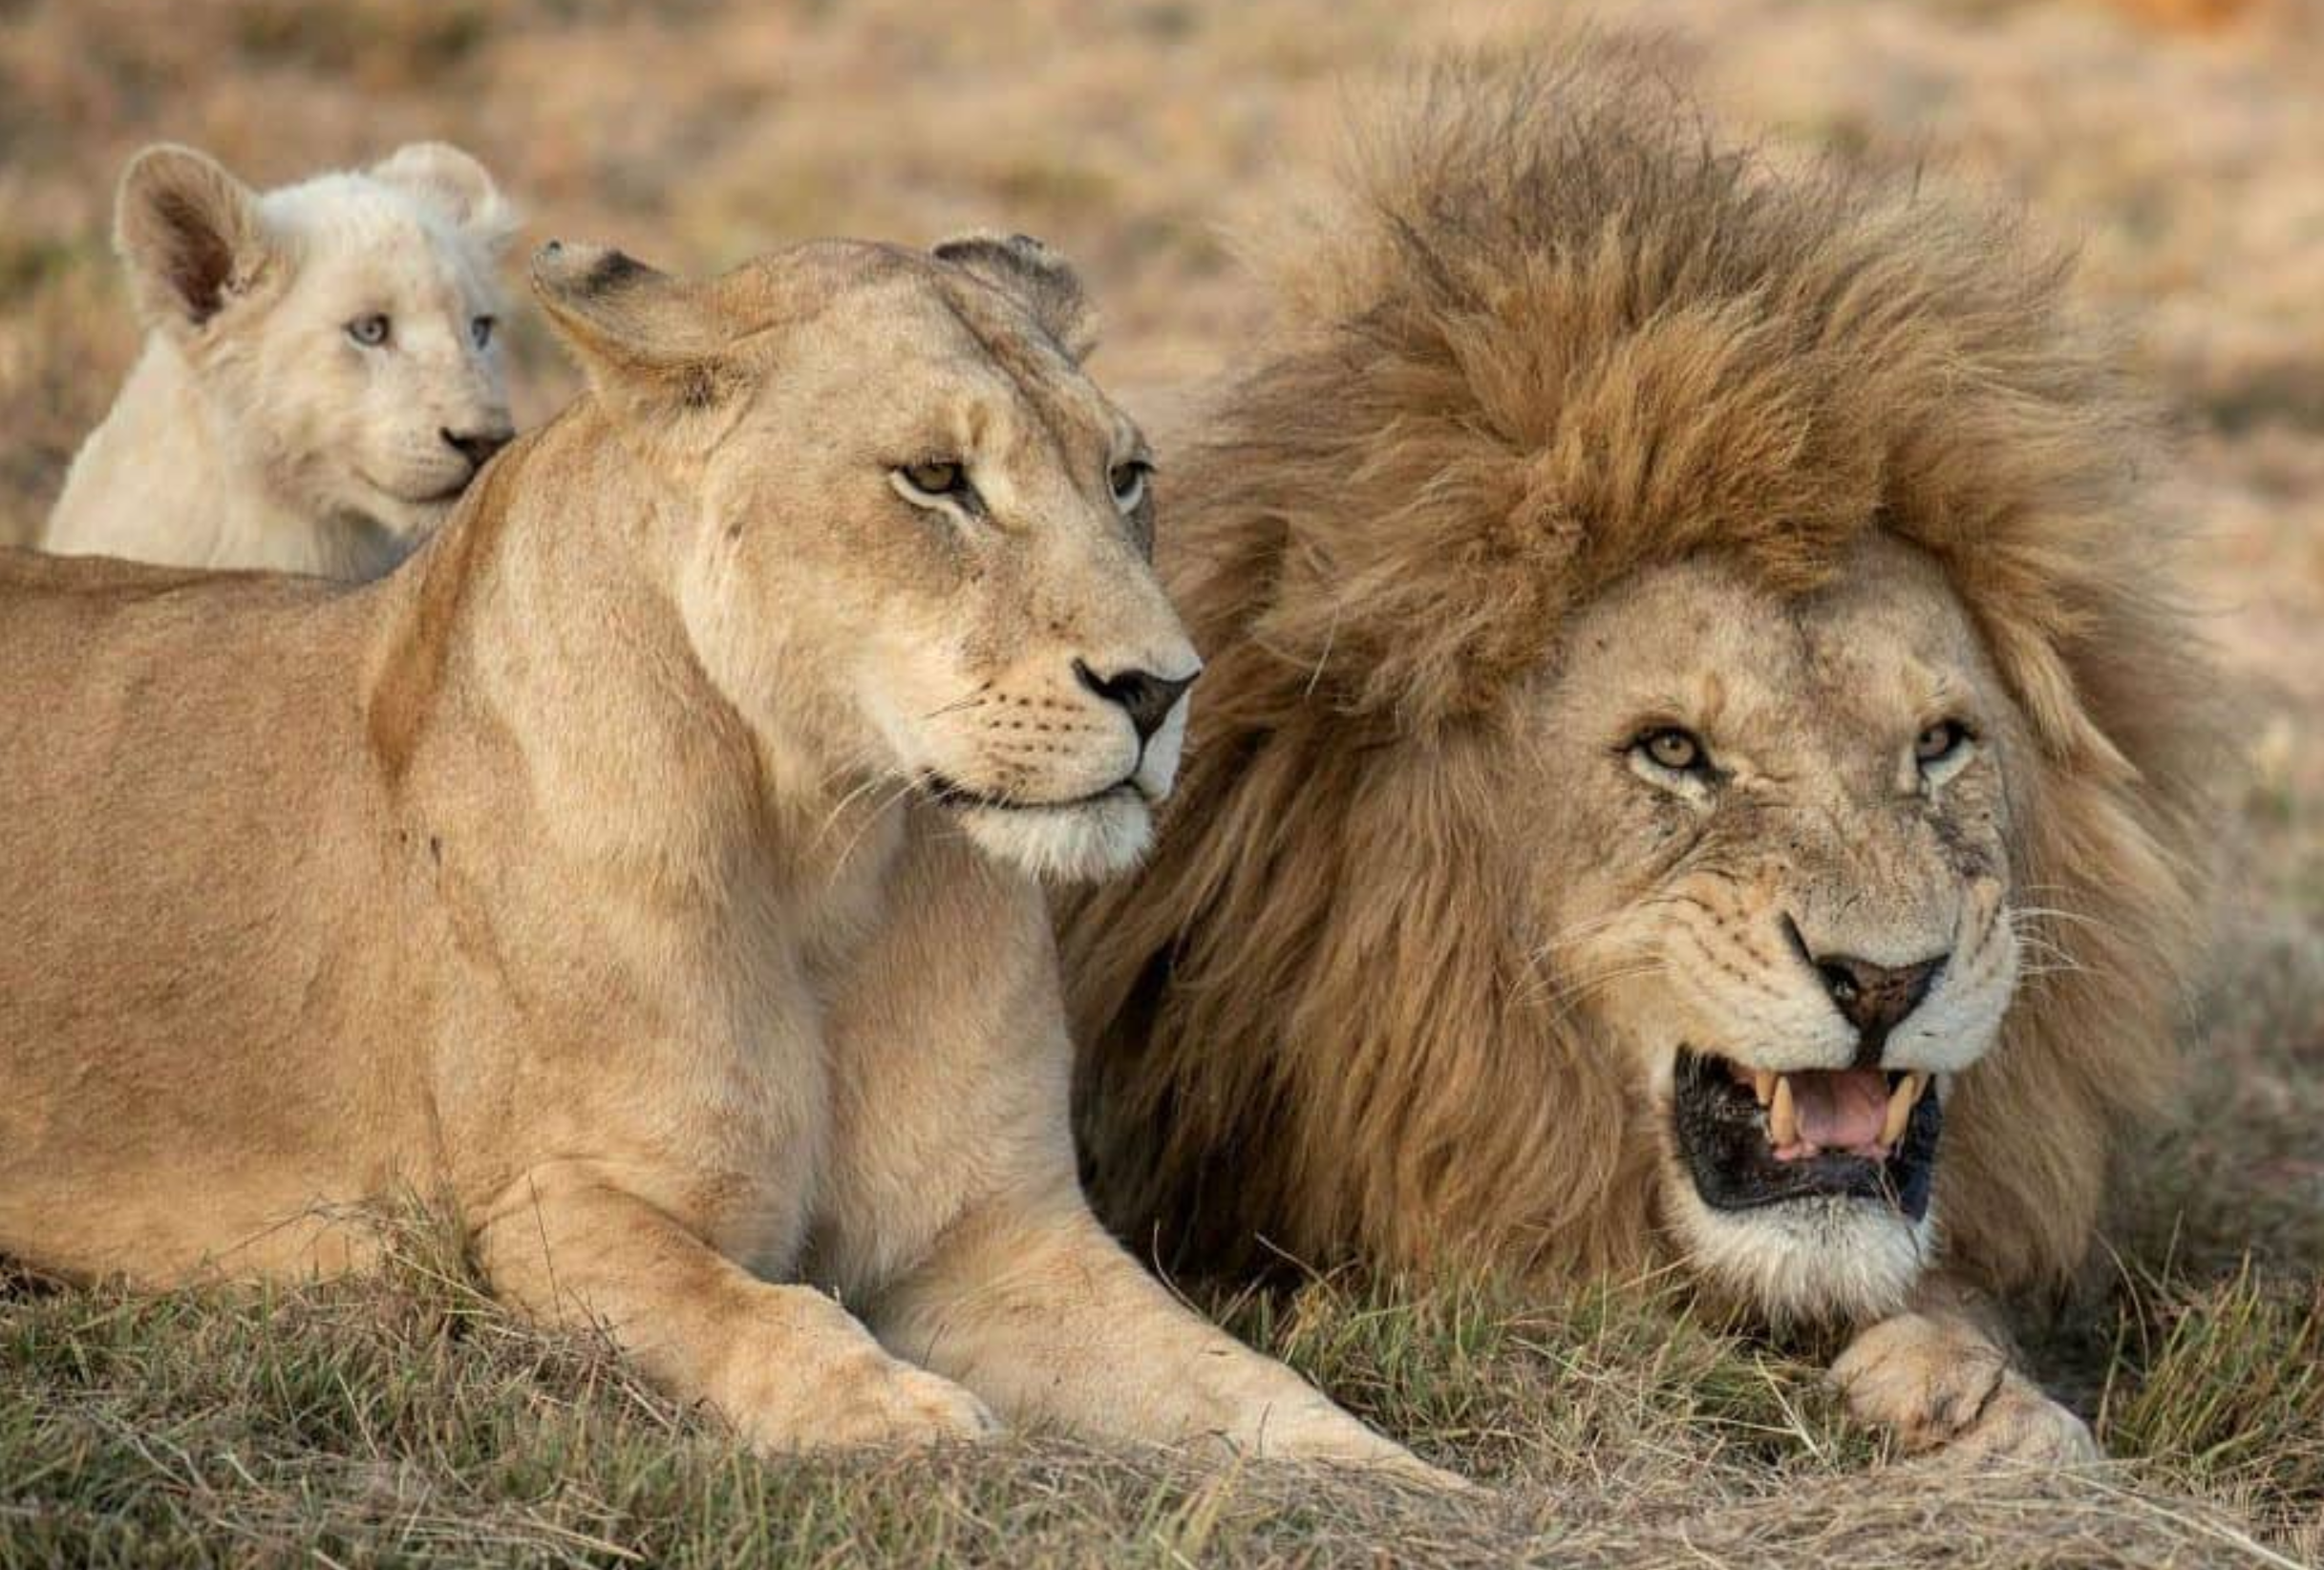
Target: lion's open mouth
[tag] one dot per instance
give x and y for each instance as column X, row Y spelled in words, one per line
column 1753, row 1138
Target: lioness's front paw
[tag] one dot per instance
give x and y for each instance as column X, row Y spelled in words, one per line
column 1319, row 1434
column 870, row 1400
column 1941, row 1385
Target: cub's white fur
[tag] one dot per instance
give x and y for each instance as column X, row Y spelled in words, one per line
column 257, row 429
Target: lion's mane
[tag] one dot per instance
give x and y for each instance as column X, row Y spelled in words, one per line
column 1559, row 330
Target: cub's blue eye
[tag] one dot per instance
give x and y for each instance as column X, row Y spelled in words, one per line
column 370, row 331
column 1128, row 479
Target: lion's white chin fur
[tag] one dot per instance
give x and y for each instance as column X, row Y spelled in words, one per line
column 1070, row 844
column 1813, row 1262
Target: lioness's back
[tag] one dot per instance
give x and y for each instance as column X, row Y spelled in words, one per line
column 177, row 747
column 224, row 698
column 82, row 639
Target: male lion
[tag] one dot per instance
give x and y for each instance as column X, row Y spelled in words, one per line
column 1696, row 723
column 320, row 378
column 647, row 868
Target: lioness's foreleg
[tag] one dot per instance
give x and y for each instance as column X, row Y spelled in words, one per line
column 1942, row 1378
column 1029, row 1303
column 786, row 1365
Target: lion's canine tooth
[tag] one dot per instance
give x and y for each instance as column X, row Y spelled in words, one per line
column 1782, row 1126
column 1901, row 1102
column 1763, row 1085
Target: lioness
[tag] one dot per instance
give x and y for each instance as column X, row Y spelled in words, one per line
column 321, row 375
column 647, row 868
column 1701, row 761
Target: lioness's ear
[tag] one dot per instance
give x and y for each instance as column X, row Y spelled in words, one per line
column 1036, row 277
column 440, row 173
column 191, row 236
column 647, row 340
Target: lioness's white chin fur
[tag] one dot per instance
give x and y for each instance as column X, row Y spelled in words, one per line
column 1065, row 845
column 1808, row 1261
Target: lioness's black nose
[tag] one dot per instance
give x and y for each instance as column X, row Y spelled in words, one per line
column 476, row 446
column 1875, row 998
column 1146, row 697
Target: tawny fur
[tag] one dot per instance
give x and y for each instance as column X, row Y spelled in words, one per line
column 583, row 873
column 1559, row 336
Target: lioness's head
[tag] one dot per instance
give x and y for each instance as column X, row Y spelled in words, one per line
column 918, row 537
column 1701, row 761
column 341, row 333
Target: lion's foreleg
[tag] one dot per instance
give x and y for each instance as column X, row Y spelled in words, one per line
column 1031, row 1304
column 786, row 1365
column 1943, row 1378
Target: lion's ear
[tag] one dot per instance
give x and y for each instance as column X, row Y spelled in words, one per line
column 651, row 342
column 192, row 237
column 1035, row 276
column 456, row 185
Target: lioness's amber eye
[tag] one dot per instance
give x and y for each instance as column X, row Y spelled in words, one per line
column 935, row 478
column 1673, row 749
column 1940, row 741
column 370, row 331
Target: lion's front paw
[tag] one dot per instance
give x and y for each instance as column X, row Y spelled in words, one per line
column 866, row 1400
column 1941, row 1387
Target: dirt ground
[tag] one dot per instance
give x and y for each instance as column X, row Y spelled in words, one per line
column 2180, row 143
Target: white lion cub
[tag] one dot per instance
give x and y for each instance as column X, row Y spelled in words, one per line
column 319, row 381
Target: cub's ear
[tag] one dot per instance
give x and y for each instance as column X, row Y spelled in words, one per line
column 191, row 235
column 651, row 342
column 1035, row 276
column 440, row 173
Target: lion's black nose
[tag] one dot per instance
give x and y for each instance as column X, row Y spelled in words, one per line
column 1146, row 697
column 1875, row 998
column 476, row 446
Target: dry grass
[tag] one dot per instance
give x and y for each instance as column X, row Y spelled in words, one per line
column 406, row 1421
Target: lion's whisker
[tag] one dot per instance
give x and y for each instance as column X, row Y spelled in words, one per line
column 1573, row 991
column 1565, row 937
column 2051, row 913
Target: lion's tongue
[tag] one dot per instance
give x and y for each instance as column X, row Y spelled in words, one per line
column 1840, row 1109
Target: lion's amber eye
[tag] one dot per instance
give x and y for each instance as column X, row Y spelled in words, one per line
column 1670, row 748
column 933, row 479
column 1939, row 742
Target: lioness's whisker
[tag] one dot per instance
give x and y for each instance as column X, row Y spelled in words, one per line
column 871, row 783
column 974, row 700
